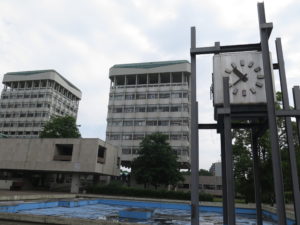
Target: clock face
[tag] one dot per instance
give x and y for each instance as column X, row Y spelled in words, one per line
column 241, row 75
column 246, row 78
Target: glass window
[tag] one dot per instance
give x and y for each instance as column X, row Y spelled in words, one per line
column 114, row 137
column 177, row 95
column 127, row 123
column 135, row 151
column 116, row 123
column 117, row 110
column 175, row 136
column 152, row 95
column 185, row 95
column 130, row 96
column 175, row 122
column 163, row 123
column 127, row 137
column 151, row 109
column 138, row 136
column 118, row 97
column 164, row 95
column 151, row 123
column 126, row 151
column 140, row 96
column 139, row 123
column 129, row 109
column 176, row 108
column 163, row 109
column 140, row 109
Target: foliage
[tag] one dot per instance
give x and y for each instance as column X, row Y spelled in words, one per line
column 60, row 127
column 242, row 155
column 116, row 189
column 204, row 172
column 157, row 162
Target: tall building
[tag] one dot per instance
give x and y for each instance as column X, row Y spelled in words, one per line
column 30, row 98
column 146, row 98
column 216, row 169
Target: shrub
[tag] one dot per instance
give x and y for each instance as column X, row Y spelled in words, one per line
column 117, row 189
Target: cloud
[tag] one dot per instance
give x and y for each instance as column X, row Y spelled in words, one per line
column 83, row 39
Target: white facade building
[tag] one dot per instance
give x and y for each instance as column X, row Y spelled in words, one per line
column 216, row 169
column 146, row 98
column 30, row 98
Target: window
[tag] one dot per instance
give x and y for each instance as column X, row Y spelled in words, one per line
column 126, row 151
column 130, row 80
column 117, row 110
column 163, row 123
column 118, row 97
column 127, row 123
column 151, row 123
column 209, row 186
column 153, row 78
column 140, row 109
column 152, row 95
column 101, row 154
column 142, row 79
column 63, row 152
column 140, row 96
column 130, row 96
column 175, row 122
column 163, row 109
column 175, row 108
column 116, row 123
column 165, row 78
column 129, row 109
column 185, row 95
column 127, row 137
column 177, row 95
column 151, row 109
column 135, row 151
column 175, row 136
column 114, row 137
column 139, row 123
column 164, row 95
column 138, row 136
column 176, row 77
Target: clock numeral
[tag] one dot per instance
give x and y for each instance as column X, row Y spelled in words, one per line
column 228, row 71
column 235, row 91
column 253, row 91
column 244, row 93
column 250, row 64
column 260, row 76
column 233, row 65
column 257, row 69
column 242, row 62
column 258, row 84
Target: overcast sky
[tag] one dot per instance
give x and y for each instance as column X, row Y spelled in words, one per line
column 82, row 39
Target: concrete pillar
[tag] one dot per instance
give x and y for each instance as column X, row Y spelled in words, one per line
column 75, row 183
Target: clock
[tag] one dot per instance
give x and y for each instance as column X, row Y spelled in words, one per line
column 246, row 78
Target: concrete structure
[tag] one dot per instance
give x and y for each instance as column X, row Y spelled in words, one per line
column 216, row 169
column 146, row 98
column 30, row 98
column 50, row 162
column 207, row 184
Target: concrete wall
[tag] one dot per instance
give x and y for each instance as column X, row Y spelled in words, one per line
column 38, row 155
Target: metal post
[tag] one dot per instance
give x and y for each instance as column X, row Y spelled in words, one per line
column 224, row 183
column 194, row 138
column 276, row 158
column 296, row 95
column 257, row 187
column 228, row 155
column 289, row 130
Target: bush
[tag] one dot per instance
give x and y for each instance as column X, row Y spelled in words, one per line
column 117, row 189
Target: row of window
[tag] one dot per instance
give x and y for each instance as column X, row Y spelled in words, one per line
column 149, row 95
column 202, row 186
column 27, row 95
column 39, row 84
column 148, row 122
column 24, row 114
column 22, row 124
column 140, row 136
column 149, row 108
column 16, row 105
column 21, row 133
column 134, row 151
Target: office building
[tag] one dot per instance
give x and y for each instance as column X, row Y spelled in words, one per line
column 146, row 98
column 31, row 98
column 216, row 169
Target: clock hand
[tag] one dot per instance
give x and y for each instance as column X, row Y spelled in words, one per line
column 241, row 78
column 239, row 74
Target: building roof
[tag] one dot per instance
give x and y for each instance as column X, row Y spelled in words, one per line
column 27, row 73
column 148, row 65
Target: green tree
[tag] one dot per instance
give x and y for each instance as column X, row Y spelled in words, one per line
column 204, row 172
column 157, row 162
column 60, row 127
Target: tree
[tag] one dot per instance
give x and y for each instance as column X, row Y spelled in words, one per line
column 157, row 162
column 204, row 172
column 60, row 127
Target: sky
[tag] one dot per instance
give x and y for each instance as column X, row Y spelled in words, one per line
column 82, row 39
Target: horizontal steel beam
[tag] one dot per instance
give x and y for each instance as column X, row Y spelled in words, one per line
column 227, row 48
column 212, row 126
column 288, row 113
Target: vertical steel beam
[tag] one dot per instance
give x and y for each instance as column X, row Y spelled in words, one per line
column 296, row 95
column 228, row 155
column 276, row 158
column 224, row 183
column 194, row 138
column 289, row 130
column 257, row 186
